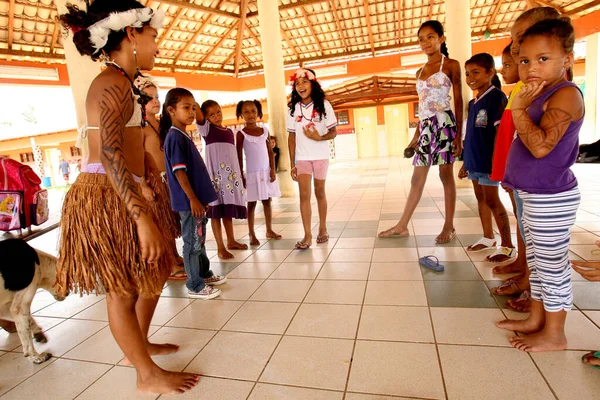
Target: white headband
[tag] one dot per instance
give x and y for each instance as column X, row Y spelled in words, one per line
column 115, row 22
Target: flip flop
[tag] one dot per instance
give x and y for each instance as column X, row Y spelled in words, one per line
column 595, row 355
column 395, row 233
column 302, row 246
column 509, row 252
column 450, row 238
column 323, row 238
column 524, row 298
column 178, row 275
column 510, row 283
column 432, row 263
column 487, row 243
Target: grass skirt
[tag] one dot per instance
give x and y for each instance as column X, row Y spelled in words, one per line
column 168, row 219
column 99, row 246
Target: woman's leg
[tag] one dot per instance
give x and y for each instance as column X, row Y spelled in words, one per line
column 251, row 208
column 447, row 178
column 232, row 244
column 218, row 234
column 417, row 184
column 304, row 181
column 269, row 220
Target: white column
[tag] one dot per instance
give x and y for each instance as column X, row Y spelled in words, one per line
column 38, row 158
column 82, row 71
column 270, row 36
column 590, row 131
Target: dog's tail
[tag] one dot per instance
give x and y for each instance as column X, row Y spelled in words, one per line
column 17, row 263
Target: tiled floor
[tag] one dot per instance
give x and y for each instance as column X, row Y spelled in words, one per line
column 354, row 319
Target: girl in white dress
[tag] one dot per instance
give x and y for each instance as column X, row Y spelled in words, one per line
column 259, row 176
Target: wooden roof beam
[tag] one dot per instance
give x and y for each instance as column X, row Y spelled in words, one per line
column 399, row 21
column 430, row 9
column 289, row 43
column 549, row 4
column 217, row 45
column 297, row 4
column 55, row 36
column 170, row 27
column 240, row 35
column 369, row 28
column 198, row 7
column 11, row 22
column 339, row 24
column 494, row 14
column 188, row 44
column 312, row 29
column 582, row 8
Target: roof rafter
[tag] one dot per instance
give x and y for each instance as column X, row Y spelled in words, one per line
column 166, row 32
column 494, row 14
column 549, row 4
column 240, row 35
column 583, row 8
column 55, row 36
column 297, row 4
column 218, row 44
column 11, row 22
column 198, row 7
column 369, row 28
column 399, row 21
column 338, row 23
column 431, row 9
column 289, row 43
column 193, row 40
column 312, row 29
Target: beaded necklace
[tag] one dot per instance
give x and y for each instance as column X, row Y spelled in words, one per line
column 143, row 98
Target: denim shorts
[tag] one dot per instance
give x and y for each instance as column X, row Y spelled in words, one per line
column 483, row 179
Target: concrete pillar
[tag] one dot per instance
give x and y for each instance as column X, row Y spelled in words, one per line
column 82, row 71
column 270, row 35
column 590, row 131
column 38, row 158
column 458, row 39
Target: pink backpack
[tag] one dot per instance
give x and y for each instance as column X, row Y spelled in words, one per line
column 22, row 201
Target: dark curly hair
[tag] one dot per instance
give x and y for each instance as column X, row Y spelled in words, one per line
column 173, row 97
column 437, row 28
column 206, row 105
column 486, row 61
column 507, row 49
column 240, row 105
column 79, row 21
column 317, row 95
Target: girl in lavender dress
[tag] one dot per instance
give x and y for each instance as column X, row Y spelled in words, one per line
column 224, row 170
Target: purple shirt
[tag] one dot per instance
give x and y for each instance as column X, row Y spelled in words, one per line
column 552, row 173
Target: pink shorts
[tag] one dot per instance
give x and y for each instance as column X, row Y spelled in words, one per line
column 317, row 168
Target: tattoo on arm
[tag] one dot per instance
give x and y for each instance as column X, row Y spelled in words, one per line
column 115, row 101
column 541, row 140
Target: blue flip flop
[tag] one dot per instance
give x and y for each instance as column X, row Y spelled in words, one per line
column 595, row 355
column 432, row 263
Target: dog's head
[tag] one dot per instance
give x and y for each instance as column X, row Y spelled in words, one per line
column 48, row 275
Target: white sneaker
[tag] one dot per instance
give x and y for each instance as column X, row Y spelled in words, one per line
column 207, row 293
column 215, row 280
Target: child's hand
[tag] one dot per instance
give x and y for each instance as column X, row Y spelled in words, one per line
column 462, row 173
column 590, row 270
column 198, row 209
column 294, row 173
column 148, row 193
column 457, row 146
column 273, row 176
column 527, row 94
column 311, row 132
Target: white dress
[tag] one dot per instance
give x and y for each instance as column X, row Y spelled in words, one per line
column 258, row 168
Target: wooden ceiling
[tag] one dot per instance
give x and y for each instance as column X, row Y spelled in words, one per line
column 222, row 36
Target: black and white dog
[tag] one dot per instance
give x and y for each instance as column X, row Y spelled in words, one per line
column 22, row 271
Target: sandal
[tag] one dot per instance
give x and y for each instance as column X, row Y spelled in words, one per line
column 302, row 245
column 450, row 238
column 323, row 238
column 388, row 233
column 511, row 253
column 432, row 263
column 511, row 283
column 178, row 275
column 485, row 242
column 593, row 354
column 522, row 304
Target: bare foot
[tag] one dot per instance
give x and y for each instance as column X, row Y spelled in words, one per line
column 253, row 240
column 166, row 382
column 273, row 235
column 155, row 349
column 235, row 245
column 592, row 359
column 446, row 236
column 511, row 287
column 516, row 266
column 394, row 232
column 224, row 254
column 543, row 340
column 527, row 326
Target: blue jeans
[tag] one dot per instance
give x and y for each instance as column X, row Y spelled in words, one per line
column 519, row 209
column 195, row 260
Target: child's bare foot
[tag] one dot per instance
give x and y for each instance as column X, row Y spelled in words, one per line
column 527, row 326
column 254, row 240
column 543, row 340
column 273, row 235
column 224, row 254
column 592, row 358
column 235, row 245
column 517, row 266
column 155, row 349
column 166, row 382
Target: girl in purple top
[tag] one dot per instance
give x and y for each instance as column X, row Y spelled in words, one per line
column 224, row 170
column 548, row 114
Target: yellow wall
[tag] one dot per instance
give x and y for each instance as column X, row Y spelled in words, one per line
column 365, row 122
column 396, row 124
